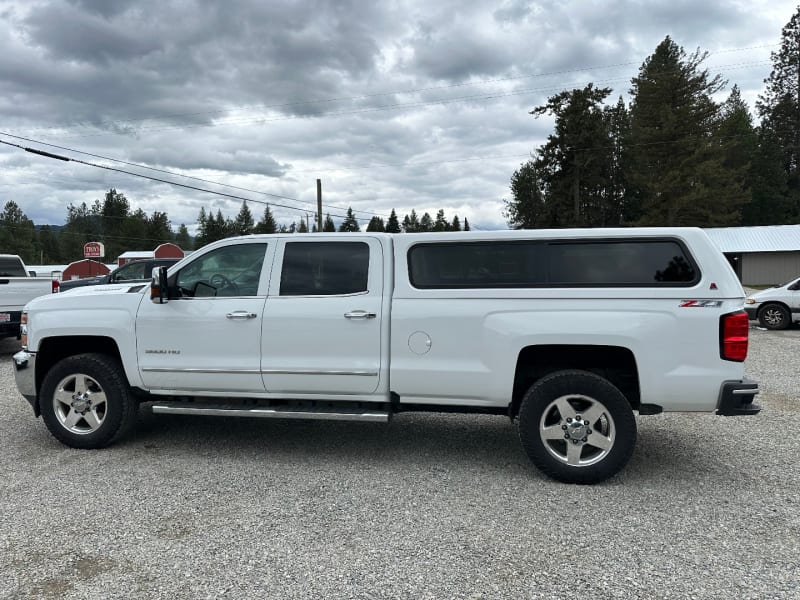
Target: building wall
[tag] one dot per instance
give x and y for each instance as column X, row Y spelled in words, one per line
column 769, row 268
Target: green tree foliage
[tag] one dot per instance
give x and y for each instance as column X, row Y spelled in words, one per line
column 49, row 247
column 676, row 162
column 17, row 233
column 393, row 224
column 466, row 224
column 770, row 201
column 244, row 223
column 426, row 222
column 328, row 225
column 302, row 227
column 376, row 224
column 267, row 223
column 83, row 225
column 350, row 223
column 779, row 109
column 574, row 164
column 159, row 229
column 527, row 209
column 440, row 223
column 113, row 220
column 182, row 238
column 456, row 224
column 411, row 222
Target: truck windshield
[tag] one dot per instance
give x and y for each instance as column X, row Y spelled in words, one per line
column 10, row 266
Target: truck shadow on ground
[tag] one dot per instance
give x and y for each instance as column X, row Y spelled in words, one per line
column 426, row 440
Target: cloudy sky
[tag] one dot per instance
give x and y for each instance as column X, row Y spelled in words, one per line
column 394, row 104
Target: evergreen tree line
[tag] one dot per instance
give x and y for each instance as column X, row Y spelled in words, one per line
column 212, row 227
column 672, row 156
column 109, row 221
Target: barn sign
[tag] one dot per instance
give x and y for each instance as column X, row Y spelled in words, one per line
column 94, row 250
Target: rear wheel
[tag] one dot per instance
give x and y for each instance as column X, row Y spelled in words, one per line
column 577, row 427
column 85, row 401
column 774, row 316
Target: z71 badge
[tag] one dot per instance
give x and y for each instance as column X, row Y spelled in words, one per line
column 700, row 304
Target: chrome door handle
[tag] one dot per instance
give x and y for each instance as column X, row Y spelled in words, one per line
column 359, row 314
column 240, row 315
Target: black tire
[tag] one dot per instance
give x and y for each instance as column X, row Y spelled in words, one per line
column 603, row 422
column 85, row 401
column 774, row 316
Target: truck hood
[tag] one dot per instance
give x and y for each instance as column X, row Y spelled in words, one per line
column 93, row 295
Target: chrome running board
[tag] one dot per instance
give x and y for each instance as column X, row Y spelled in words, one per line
column 289, row 412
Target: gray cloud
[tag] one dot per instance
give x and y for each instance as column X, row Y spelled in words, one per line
column 383, row 101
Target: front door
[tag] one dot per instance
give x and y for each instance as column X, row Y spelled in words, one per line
column 209, row 337
column 322, row 319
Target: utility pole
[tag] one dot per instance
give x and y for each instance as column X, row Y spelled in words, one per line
column 319, row 205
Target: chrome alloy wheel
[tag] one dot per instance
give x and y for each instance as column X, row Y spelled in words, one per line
column 577, row 430
column 80, row 404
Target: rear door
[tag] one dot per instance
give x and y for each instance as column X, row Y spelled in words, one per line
column 322, row 319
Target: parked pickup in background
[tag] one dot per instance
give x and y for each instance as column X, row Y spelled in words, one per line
column 568, row 332
column 777, row 307
column 136, row 270
column 17, row 287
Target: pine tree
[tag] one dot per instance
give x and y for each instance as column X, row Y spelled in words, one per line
column 411, row 222
column 426, row 223
column 779, row 107
column 17, row 233
column 350, row 223
column 328, row 225
column 440, row 223
column 267, row 222
column 244, row 223
column 456, row 224
column 571, row 171
column 182, row 238
column 527, row 209
column 376, row 224
column 302, row 226
column 393, row 224
column 466, row 224
column 676, row 165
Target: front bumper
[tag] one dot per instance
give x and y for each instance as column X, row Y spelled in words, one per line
column 736, row 398
column 25, row 376
column 752, row 312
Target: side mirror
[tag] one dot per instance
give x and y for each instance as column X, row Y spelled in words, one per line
column 159, row 291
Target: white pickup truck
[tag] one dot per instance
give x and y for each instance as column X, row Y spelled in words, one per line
column 569, row 332
column 17, row 287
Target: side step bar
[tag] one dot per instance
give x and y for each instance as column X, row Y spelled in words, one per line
column 289, row 412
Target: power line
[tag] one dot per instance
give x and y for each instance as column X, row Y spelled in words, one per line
column 183, row 185
column 140, row 166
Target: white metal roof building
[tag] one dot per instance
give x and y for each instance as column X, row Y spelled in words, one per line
column 760, row 255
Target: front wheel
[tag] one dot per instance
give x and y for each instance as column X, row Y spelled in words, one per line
column 577, row 427
column 85, row 401
column 774, row 316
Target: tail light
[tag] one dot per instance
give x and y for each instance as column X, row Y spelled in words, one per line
column 734, row 330
column 23, row 330
column 55, row 284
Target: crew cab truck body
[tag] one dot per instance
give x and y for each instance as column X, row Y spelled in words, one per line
column 17, row 288
column 569, row 332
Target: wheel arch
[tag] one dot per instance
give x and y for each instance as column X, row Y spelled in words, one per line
column 52, row 350
column 780, row 303
column 617, row 364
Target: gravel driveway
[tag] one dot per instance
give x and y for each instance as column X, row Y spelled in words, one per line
column 427, row 506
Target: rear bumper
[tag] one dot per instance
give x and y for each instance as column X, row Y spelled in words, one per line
column 736, row 398
column 25, row 376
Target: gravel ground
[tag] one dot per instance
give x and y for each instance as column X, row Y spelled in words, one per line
column 428, row 506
